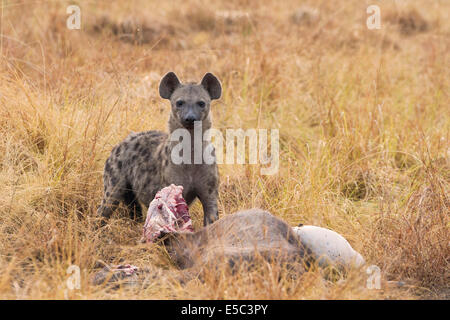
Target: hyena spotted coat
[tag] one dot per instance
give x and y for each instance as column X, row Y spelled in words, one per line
column 141, row 165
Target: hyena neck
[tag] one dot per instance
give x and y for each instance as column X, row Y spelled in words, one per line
column 175, row 125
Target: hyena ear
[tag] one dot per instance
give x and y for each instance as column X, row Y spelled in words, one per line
column 168, row 85
column 212, row 85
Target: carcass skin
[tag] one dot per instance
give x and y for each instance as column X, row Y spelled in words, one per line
column 240, row 237
column 235, row 238
column 244, row 238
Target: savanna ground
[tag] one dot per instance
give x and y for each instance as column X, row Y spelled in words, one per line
column 363, row 117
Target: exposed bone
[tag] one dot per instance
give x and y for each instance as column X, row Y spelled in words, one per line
column 328, row 248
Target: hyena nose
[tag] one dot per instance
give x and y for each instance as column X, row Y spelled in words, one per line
column 189, row 119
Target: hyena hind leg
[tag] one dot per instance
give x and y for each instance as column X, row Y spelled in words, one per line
column 106, row 209
column 113, row 195
column 133, row 205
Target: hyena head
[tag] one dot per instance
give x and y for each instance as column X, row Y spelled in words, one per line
column 190, row 102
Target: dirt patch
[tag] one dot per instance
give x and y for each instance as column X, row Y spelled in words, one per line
column 409, row 23
column 132, row 31
column 199, row 19
column 305, row 16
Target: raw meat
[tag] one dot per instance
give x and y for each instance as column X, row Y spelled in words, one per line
column 167, row 213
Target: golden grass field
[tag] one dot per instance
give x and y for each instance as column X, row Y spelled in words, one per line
column 363, row 116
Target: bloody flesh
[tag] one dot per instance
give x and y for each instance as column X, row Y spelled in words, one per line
column 167, row 213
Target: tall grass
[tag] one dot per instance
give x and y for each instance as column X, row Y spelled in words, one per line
column 364, row 135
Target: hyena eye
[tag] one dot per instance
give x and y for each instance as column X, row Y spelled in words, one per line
column 180, row 103
column 201, row 104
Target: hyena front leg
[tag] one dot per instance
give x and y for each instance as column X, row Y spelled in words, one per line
column 209, row 203
column 210, row 212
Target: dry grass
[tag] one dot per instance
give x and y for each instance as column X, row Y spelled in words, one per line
column 364, row 124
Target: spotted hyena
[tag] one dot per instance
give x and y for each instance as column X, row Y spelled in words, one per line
column 142, row 164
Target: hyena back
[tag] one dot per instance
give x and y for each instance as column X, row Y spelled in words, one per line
column 141, row 165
